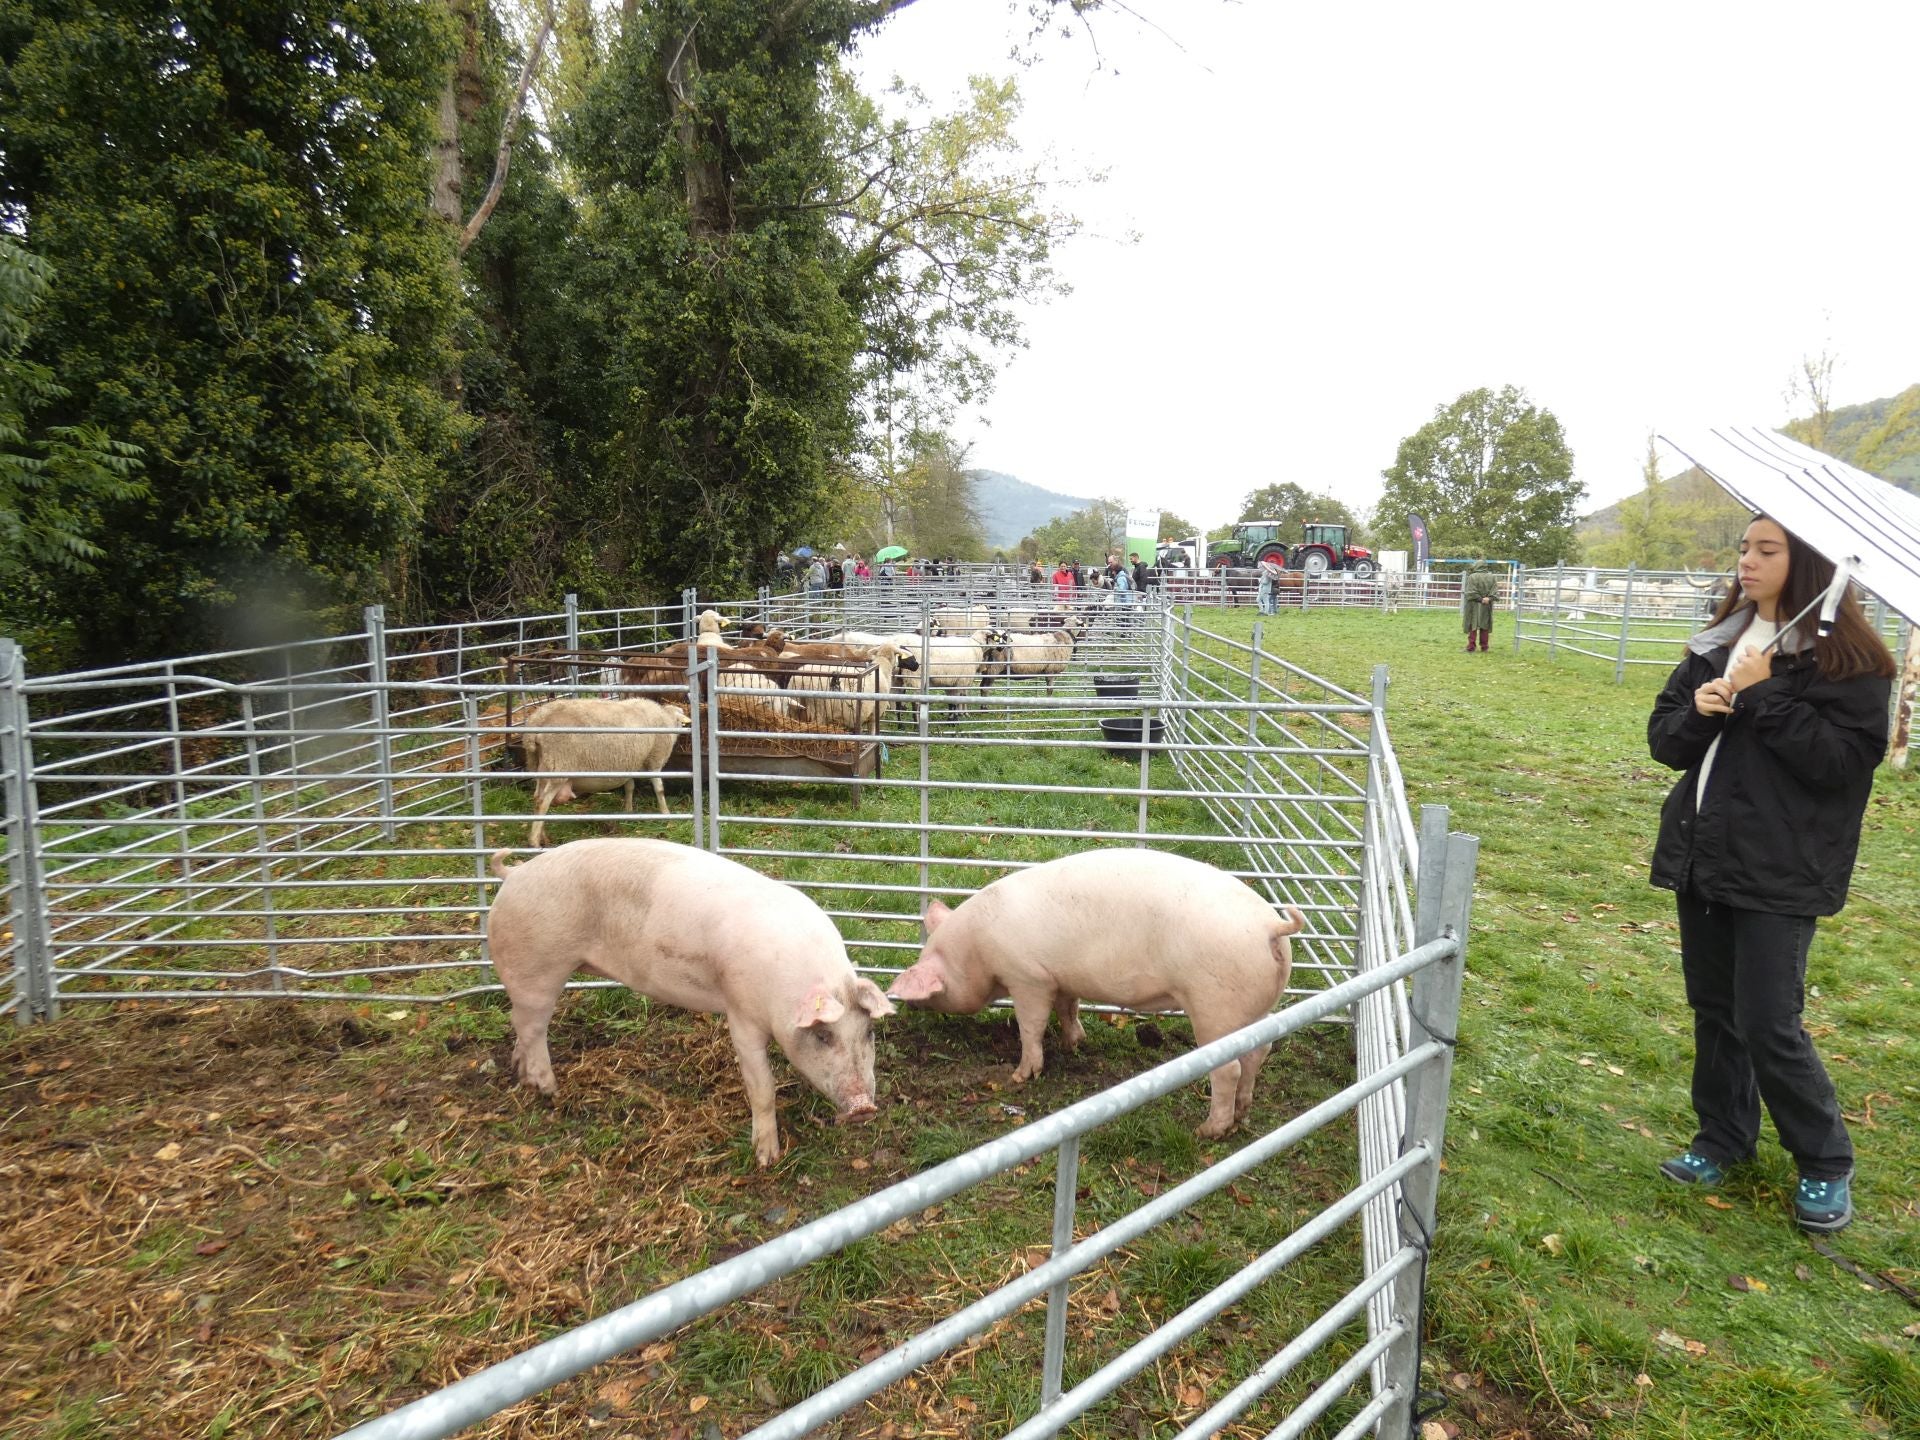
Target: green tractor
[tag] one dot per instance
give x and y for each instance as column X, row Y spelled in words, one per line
column 1252, row 542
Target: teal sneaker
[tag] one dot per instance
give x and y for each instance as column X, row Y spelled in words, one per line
column 1692, row 1168
column 1824, row 1205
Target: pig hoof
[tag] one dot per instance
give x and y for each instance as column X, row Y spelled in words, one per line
column 1212, row 1130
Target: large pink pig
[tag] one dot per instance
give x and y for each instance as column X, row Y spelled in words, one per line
column 1120, row 927
column 690, row 929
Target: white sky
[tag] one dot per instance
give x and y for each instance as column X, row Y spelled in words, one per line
column 1642, row 214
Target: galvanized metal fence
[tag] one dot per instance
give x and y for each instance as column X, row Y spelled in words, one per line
column 1633, row 618
column 315, row 821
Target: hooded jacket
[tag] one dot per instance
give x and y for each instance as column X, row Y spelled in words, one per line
column 1781, row 824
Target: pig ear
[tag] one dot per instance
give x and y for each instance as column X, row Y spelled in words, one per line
column 819, row 1007
column 936, row 912
column 919, row 982
column 867, row 996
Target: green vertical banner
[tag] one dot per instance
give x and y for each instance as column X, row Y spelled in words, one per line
column 1143, row 535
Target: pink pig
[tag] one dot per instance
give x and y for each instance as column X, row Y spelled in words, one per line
column 1137, row 928
column 691, row 929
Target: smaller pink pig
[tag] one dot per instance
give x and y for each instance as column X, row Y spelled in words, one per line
column 691, row 929
column 1138, row 928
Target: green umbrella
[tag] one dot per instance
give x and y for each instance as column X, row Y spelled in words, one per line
column 891, row 552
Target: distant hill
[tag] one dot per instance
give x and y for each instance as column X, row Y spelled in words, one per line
column 1715, row 519
column 1010, row 509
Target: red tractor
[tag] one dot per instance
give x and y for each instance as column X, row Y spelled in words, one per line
column 1324, row 548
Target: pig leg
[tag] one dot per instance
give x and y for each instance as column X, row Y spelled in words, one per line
column 1250, row 1064
column 750, row 1044
column 1030, row 1009
column 531, row 1014
column 1067, row 1007
column 1228, row 1079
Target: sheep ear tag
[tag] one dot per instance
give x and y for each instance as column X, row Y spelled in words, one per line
column 820, row 1007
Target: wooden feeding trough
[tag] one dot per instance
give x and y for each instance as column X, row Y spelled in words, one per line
column 770, row 709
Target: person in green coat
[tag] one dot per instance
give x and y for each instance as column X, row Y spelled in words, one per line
column 1476, row 605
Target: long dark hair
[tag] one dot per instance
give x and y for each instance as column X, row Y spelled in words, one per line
column 1852, row 648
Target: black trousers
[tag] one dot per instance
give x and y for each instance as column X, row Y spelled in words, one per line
column 1746, row 973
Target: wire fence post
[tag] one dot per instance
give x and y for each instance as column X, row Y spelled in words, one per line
column 376, row 616
column 26, row 916
column 1445, row 905
column 182, row 831
column 1553, row 627
column 1517, row 602
column 1066, row 1180
column 1626, row 623
column 476, row 796
column 572, row 605
column 711, row 666
column 261, row 840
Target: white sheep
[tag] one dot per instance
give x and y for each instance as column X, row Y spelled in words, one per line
column 635, row 737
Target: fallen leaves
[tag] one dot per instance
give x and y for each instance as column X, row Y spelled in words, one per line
column 1671, row 1341
column 1745, row 1283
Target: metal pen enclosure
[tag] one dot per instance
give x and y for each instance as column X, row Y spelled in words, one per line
column 315, row 821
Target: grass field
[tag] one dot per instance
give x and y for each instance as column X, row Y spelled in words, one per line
column 243, row 1220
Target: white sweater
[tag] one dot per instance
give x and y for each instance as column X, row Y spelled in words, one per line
column 1757, row 636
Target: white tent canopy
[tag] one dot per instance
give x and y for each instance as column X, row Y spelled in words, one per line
column 1846, row 514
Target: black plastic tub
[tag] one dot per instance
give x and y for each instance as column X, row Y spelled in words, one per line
column 1117, row 687
column 1123, row 735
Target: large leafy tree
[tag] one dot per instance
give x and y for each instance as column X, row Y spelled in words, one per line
column 53, row 478
column 252, row 290
column 1492, row 474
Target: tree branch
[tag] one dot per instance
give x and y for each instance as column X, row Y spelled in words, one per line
column 503, row 157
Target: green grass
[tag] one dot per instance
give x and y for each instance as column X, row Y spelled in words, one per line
column 1575, row 1039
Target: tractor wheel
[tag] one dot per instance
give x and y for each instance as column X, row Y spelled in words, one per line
column 1315, row 563
column 1363, row 569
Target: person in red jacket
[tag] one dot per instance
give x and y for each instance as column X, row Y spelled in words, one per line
column 1778, row 731
column 1063, row 582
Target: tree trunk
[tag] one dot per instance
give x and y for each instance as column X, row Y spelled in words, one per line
column 709, row 211
column 446, row 158
column 1909, row 696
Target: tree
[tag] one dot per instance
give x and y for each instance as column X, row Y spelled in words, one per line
column 1088, row 535
column 252, row 289
column 1176, row 527
column 1493, row 476
column 1655, row 534
column 1812, row 384
column 53, row 479
column 1294, row 506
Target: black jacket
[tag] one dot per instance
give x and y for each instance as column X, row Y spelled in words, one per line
column 1790, row 782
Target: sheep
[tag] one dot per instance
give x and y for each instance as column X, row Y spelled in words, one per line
column 636, row 738
column 711, row 622
column 960, row 622
column 959, row 662
column 824, row 690
column 1045, row 654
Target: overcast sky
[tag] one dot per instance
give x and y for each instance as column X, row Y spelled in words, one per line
column 1642, row 214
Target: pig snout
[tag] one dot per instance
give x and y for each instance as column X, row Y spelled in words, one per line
column 859, row 1110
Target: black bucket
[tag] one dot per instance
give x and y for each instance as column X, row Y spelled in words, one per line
column 1123, row 735
column 1117, row 687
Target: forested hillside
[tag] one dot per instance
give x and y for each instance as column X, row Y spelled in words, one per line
column 1690, row 521
column 1011, row 509
column 456, row 305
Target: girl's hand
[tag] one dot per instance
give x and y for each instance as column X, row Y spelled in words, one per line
column 1714, row 698
column 1751, row 668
